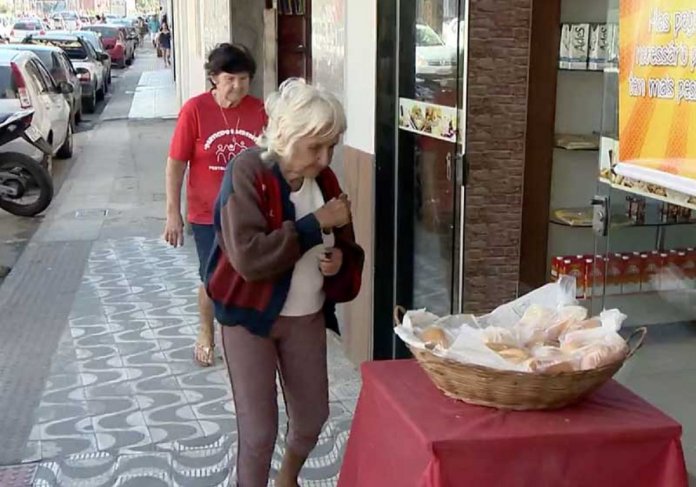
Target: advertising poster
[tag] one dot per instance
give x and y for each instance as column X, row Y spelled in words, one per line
column 437, row 121
column 657, row 97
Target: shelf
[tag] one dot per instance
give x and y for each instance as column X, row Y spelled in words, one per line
column 576, row 142
column 646, row 194
column 618, row 220
column 584, row 149
column 566, row 70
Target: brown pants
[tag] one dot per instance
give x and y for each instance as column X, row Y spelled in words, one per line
column 297, row 349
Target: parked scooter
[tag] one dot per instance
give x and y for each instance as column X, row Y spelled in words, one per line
column 26, row 187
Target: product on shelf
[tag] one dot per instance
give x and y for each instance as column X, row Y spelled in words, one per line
column 598, row 47
column 591, row 47
column 613, row 44
column 628, row 273
column 631, row 273
column 635, row 209
column 615, row 274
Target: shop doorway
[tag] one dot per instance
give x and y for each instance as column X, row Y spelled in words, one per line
column 428, row 171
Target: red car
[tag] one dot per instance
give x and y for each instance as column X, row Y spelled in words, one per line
column 115, row 43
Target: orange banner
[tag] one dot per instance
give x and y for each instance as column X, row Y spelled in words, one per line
column 657, row 91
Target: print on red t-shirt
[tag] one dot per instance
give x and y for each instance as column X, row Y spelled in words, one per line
column 208, row 137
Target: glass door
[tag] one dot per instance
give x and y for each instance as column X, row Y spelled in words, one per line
column 430, row 177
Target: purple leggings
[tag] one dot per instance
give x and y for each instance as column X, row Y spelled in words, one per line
column 296, row 349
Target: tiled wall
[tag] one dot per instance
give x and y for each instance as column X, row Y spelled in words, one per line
column 496, row 120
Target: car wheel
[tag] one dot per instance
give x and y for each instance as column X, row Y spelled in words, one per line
column 109, row 76
column 78, row 115
column 100, row 93
column 90, row 103
column 106, row 86
column 66, row 150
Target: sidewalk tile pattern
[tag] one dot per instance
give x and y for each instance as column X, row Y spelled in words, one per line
column 124, row 399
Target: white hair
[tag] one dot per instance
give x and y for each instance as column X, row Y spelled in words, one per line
column 299, row 110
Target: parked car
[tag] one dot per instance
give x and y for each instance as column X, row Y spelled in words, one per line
column 61, row 68
column 24, row 27
column 25, row 83
column 433, row 57
column 86, row 61
column 132, row 38
column 71, row 19
column 96, row 41
column 114, row 39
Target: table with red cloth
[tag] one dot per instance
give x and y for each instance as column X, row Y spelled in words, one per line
column 407, row 433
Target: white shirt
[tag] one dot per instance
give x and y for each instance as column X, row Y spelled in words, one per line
column 306, row 294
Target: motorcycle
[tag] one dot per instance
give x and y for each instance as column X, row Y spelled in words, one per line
column 26, row 187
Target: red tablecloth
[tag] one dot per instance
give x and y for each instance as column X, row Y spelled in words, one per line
column 406, row 433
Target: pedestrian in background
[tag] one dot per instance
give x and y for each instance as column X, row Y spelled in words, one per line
column 153, row 24
column 164, row 40
column 285, row 253
column 212, row 128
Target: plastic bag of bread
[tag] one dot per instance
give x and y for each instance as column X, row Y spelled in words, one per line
column 597, row 346
column 531, row 328
column 567, row 318
column 550, row 360
column 498, row 338
column 599, row 354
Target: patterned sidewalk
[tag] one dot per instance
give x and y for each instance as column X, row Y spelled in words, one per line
column 126, row 405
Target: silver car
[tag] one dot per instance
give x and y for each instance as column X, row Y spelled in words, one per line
column 87, row 62
column 25, row 83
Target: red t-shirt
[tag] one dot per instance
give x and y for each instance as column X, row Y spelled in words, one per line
column 208, row 140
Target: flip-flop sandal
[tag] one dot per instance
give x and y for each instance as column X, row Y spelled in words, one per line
column 204, row 356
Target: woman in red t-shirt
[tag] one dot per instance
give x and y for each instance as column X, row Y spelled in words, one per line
column 212, row 129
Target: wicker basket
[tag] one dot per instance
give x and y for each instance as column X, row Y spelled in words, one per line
column 520, row 391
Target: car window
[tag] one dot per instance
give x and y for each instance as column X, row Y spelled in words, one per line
column 35, row 75
column 8, row 88
column 47, row 78
column 73, row 48
column 90, row 50
column 427, row 37
column 45, row 56
column 105, row 31
column 57, row 69
column 27, row 26
column 68, row 65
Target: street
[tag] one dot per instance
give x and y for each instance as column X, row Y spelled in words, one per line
column 98, row 319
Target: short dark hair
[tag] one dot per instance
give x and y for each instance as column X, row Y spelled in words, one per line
column 230, row 58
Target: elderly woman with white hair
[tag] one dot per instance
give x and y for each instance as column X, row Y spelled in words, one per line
column 285, row 255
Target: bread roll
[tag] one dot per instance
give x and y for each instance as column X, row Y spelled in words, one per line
column 514, row 355
column 599, row 355
column 434, row 335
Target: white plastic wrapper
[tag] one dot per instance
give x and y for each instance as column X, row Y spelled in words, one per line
column 517, row 323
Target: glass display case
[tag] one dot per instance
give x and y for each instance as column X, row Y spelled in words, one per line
column 644, row 217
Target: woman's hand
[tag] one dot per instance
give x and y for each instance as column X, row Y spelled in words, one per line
column 174, row 230
column 335, row 213
column 331, row 261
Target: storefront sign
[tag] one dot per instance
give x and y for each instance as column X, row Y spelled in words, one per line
column 437, row 121
column 657, row 94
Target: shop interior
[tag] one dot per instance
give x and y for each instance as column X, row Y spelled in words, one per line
column 642, row 260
